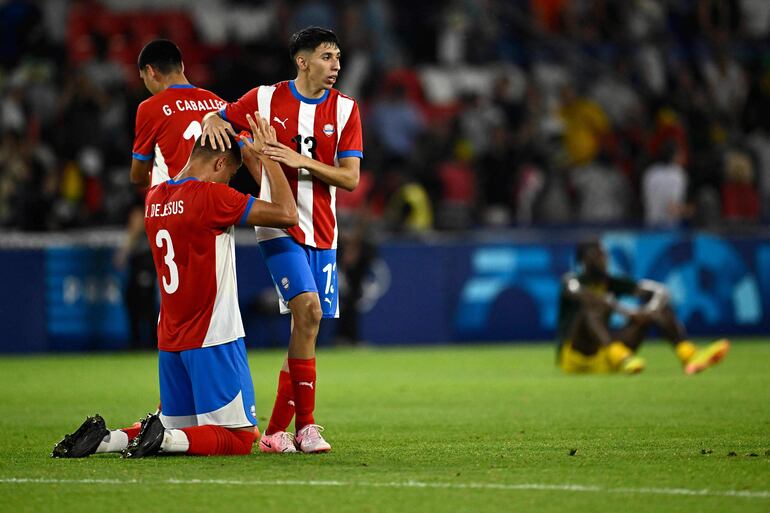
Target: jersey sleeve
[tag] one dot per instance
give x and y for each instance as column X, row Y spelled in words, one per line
column 235, row 113
column 144, row 135
column 225, row 206
column 351, row 142
column 622, row 286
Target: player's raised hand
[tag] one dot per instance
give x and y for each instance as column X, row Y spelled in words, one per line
column 215, row 130
column 259, row 130
column 283, row 154
column 270, row 135
column 253, row 143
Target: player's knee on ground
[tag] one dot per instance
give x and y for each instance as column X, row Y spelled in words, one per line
column 246, row 439
column 218, row 441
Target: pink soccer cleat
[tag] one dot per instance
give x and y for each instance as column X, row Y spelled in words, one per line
column 278, row 442
column 309, row 439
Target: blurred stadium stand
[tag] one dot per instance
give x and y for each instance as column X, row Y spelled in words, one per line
column 521, row 122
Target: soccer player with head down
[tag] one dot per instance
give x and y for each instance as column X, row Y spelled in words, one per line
column 167, row 126
column 319, row 147
column 169, row 122
column 206, row 391
column 586, row 343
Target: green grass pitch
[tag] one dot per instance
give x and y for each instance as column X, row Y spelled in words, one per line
column 452, row 428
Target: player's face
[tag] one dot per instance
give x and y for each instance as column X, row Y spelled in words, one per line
column 323, row 65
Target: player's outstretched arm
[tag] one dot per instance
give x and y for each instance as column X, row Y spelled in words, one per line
column 215, row 130
column 281, row 211
column 345, row 176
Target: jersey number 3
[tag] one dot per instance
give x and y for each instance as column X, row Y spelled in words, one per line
column 172, row 284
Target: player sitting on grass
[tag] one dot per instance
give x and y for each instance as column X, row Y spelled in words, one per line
column 206, row 391
column 586, row 344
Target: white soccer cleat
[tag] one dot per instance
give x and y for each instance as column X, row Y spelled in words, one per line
column 309, row 439
column 278, row 442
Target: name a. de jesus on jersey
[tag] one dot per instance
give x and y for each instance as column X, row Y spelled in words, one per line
column 164, row 209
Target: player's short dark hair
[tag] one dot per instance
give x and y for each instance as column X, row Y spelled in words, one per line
column 309, row 38
column 583, row 248
column 161, row 54
column 207, row 152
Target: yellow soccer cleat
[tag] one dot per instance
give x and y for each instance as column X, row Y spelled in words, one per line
column 632, row 365
column 708, row 356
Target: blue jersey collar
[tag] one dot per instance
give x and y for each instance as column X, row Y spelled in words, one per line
column 183, row 180
column 181, row 86
column 305, row 99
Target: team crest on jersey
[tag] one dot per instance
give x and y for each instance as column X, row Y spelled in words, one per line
column 328, row 129
column 285, row 283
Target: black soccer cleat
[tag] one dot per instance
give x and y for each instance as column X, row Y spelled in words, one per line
column 84, row 441
column 148, row 441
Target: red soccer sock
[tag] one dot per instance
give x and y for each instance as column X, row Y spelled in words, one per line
column 218, row 441
column 303, row 383
column 132, row 431
column 283, row 409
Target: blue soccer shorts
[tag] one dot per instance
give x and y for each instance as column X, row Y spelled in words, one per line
column 296, row 268
column 207, row 385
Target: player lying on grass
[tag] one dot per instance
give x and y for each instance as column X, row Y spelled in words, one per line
column 206, row 391
column 586, row 343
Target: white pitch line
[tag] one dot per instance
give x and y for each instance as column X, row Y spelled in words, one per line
column 745, row 494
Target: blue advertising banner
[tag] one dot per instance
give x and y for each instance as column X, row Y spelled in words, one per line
column 84, row 300
column 71, row 298
column 22, row 308
column 509, row 291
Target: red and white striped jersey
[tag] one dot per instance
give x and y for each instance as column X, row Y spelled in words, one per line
column 189, row 224
column 326, row 129
column 167, row 126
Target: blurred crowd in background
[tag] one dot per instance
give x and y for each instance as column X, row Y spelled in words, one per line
column 476, row 113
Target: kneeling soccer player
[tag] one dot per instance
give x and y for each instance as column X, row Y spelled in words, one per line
column 206, row 391
column 586, row 344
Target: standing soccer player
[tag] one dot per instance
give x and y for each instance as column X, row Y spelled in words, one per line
column 206, row 390
column 169, row 122
column 319, row 147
